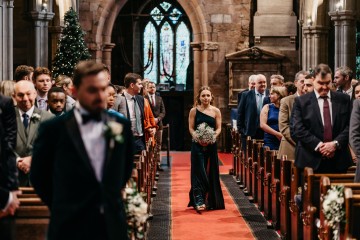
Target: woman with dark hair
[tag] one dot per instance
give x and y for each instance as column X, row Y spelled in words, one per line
column 205, row 127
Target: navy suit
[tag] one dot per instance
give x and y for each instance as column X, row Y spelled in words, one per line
column 248, row 117
column 307, row 128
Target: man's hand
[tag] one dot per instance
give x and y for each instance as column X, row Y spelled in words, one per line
column 152, row 131
column 157, row 120
column 328, row 149
column 13, row 205
column 24, row 164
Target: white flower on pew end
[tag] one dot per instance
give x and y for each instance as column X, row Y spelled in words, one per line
column 35, row 117
column 333, row 208
column 113, row 130
column 136, row 210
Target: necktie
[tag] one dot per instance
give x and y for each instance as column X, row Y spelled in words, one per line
column 260, row 103
column 327, row 121
column 90, row 117
column 138, row 126
column 153, row 100
column 26, row 120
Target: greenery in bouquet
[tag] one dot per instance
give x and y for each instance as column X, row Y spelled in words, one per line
column 136, row 211
column 333, row 208
column 204, row 134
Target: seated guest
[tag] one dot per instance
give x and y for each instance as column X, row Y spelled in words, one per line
column 28, row 119
column 269, row 118
column 56, row 101
column 111, row 100
column 42, row 82
column 65, row 82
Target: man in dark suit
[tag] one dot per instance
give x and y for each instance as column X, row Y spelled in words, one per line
column 249, row 110
column 8, row 171
column 158, row 109
column 80, row 172
column 320, row 127
column 28, row 119
column 134, row 106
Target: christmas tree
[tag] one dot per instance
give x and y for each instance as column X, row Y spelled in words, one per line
column 71, row 46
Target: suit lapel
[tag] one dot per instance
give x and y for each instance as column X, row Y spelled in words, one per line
column 33, row 126
column 75, row 136
column 20, row 125
column 315, row 106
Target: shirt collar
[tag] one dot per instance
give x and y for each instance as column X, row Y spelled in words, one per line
column 256, row 92
column 318, row 95
column 29, row 112
column 128, row 96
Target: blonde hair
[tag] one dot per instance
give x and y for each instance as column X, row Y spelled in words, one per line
column 7, row 87
column 281, row 91
column 62, row 80
column 197, row 98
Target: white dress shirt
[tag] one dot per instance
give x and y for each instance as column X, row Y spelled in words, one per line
column 94, row 140
column 152, row 99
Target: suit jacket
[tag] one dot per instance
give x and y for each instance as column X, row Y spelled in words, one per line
column 65, row 180
column 158, row 110
column 120, row 105
column 26, row 138
column 308, row 130
column 8, row 130
column 355, row 135
column 287, row 144
column 248, row 117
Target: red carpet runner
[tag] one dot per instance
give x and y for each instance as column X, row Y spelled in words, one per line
column 186, row 223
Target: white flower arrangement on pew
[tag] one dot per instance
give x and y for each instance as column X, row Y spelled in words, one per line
column 136, row 211
column 333, row 208
column 204, row 134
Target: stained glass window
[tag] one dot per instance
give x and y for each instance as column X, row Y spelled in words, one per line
column 166, row 44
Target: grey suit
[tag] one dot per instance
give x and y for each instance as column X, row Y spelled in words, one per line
column 355, row 135
column 26, row 137
column 287, row 144
column 120, row 105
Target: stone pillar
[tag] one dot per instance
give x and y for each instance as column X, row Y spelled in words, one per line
column 40, row 37
column 6, row 39
column 345, row 38
column 315, row 46
column 55, row 34
column 107, row 49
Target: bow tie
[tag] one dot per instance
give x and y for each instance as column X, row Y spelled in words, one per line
column 90, row 117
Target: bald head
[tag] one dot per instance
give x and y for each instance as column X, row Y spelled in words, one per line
column 24, row 95
column 260, row 83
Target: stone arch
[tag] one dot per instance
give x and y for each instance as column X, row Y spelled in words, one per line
column 192, row 8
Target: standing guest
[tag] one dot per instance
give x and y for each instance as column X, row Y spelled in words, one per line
column 158, row 109
column 28, row 118
column 205, row 192
column 356, row 92
column 79, row 174
column 290, row 88
column 321, row 127
column 134, row 109
column 309, row 83
column 65, row 82
column 287, row 144
column 8, row 172
column 111, row 91
column 342, row 79
column 249, row 111
column 42, row 82
column 276, row 80
column 24, row 72
column 56, row 101
column 269, row 118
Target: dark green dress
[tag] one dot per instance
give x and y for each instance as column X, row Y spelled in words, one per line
column 205, row 183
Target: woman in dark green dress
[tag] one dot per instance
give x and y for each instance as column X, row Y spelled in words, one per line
column 205, row 192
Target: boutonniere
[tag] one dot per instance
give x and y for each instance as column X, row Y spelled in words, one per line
column 113, row 131
column 35, row 117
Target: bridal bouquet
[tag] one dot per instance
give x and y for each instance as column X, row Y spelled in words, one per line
column 333, row 208
column 136, row 211
column 204, row 134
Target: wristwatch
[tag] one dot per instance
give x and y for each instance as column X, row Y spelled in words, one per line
column 337, row 145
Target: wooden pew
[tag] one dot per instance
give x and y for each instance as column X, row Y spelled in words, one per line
column 269, row 155
column 275, row 189
column 352, row 215
column 260, row 177
column 284, row 197
column 32, row 217
column 234, row 136
column 254, row 169
column 311, row 198
column 295, row 189
column 324, row 231
column 247, row 163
